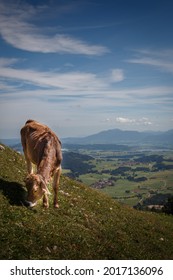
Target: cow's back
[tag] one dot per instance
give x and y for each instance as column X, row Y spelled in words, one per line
column 35, row 138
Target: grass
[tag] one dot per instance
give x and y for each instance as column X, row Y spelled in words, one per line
column 157, row 181
column 88, row 224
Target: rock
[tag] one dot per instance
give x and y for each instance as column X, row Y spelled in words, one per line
column 2, row 148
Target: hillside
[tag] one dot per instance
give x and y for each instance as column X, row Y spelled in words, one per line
column 88, row 224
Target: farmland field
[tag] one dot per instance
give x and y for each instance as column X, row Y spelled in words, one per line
column 131, row 177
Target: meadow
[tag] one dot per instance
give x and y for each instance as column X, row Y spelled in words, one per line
column 131, row 177
column 88, row 224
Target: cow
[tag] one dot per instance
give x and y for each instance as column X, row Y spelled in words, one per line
column 42, row 148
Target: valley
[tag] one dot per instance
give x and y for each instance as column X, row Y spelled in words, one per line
column 139, row 178
column 134, row 168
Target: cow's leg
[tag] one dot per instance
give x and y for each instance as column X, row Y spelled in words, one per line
column 56, row 180
column 45, row 201
column 29, row 166
column 28, row 162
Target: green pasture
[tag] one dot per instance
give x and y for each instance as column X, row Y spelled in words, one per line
column 124, row 190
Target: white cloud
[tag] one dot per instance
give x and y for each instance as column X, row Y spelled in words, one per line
column 7, row 61
column 16, row 30
column 163, row 61
column 124, row 120
column 145, row 121
column 87, row 108
column 162, row 65
column 117, row 75
column 139, row 121
column 75, row 83
column 73, row 80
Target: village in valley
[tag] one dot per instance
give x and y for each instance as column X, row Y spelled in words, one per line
column 141, row 179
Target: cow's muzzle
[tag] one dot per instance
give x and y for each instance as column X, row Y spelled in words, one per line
column 30, row 204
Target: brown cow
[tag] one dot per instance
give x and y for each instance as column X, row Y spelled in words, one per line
column 43, row 148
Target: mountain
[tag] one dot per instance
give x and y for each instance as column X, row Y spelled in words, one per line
column 112, row 137
column 117, row 136
column 88, row 224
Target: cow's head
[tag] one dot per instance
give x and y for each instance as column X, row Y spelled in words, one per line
column 36, row 188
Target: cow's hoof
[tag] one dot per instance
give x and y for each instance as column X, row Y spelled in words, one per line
column 56, row 205
column 45, row 205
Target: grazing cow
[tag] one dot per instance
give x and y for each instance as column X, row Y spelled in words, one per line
column 43, row 148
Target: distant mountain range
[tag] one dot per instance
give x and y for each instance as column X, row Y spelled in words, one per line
column 117, row 136
column 10, row 142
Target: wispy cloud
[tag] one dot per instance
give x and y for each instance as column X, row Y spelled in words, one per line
column 16, row 29
column 102, row 89
column 85, row 107
column 162, row 60
column 7, row 61
column 97, row 91
column 117, row 75
column 73, row 80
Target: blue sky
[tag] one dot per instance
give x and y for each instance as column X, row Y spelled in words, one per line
column 84, row 66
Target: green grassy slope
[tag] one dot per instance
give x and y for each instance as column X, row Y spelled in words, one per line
column 88, row 224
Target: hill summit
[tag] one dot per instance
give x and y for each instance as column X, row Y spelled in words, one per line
column 88, row 224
